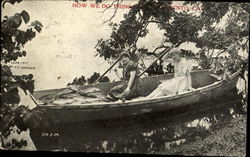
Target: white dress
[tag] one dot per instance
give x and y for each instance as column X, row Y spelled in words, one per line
column 180, row 83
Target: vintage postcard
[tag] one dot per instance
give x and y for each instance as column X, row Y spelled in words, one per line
column 124, row 76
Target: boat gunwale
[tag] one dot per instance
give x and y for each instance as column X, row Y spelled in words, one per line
column 129, row 103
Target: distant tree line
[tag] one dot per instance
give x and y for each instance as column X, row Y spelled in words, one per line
column 83, row 81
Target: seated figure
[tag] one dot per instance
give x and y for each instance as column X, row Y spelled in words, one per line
column 129, row 88
column 182, row 78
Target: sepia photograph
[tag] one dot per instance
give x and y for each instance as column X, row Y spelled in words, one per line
column 124, row 77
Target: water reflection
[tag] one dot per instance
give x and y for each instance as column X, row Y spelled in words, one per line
column 152, row 135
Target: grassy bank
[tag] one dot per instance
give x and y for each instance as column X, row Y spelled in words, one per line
column 227, row 140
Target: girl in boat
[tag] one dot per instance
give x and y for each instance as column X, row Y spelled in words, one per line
column 182, row 78
column 131, row 84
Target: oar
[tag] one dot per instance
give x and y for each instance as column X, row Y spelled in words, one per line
column 34, row 99
column 166, row 51
column 108, row 70
column 144, row 70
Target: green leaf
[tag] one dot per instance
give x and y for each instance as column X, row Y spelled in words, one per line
column 38, row 29
column 25, row 16
column 36, row 23
column 24, row 53
column 11, row 2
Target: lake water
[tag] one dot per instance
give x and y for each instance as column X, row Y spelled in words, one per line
column 157, row 134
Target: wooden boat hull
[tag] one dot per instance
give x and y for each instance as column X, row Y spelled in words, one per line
column 67, row 122
column 88, row 112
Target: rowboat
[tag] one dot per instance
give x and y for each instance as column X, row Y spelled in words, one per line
column 65, row 120
column 206, row 88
